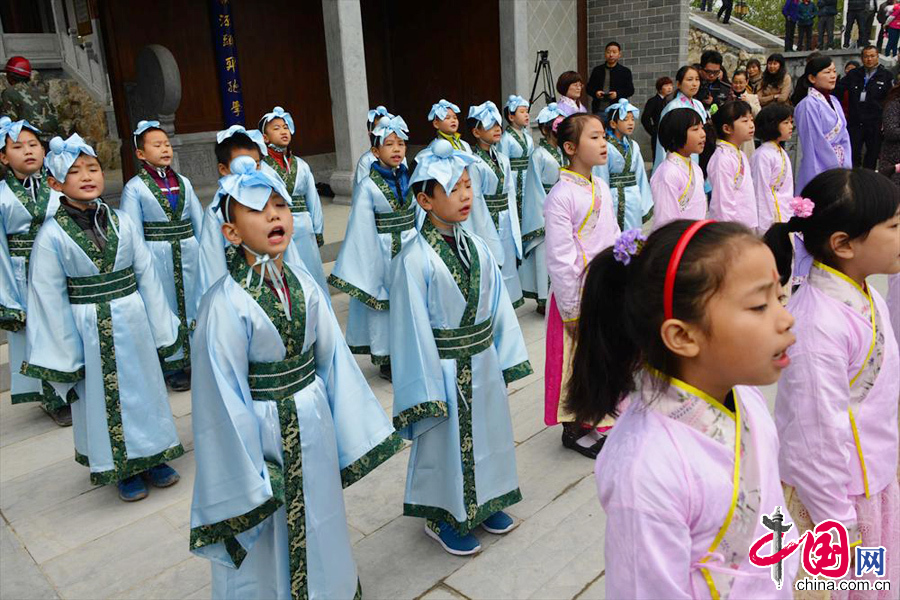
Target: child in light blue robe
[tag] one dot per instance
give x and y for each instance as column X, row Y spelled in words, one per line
column 99, row 321
column 517, row 144
column 383, row 219
column 444, row 117
column 492, row 187
column 277, row 128
column 215, row 251
column 368, row 157
column 26, row 202
column 461, row 345
column 170, row 222
column 283, row 419
column 543, row 172
column 624, row 171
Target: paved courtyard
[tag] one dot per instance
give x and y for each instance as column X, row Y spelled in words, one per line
column 61, row 537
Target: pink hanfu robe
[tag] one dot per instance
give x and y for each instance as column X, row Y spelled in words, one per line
column 579, row 222
column 666, row 479
column 893, row 303
column 836, row 413
column 733, row 198
column 677, row 187
column 824, row 141
column 773, row 182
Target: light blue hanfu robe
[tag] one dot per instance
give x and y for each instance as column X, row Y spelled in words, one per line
column 627, row 179
column 364, row 164
column 283, row 419
column 517, row 146
column 492, row 187
column 216, row 251
column 543, row 173
column 380, row 226
column 307, row 210
column 679, row 101
column 457, row 142
column 173, row 236
column 99, row 321
column 461, row 346
column 21, row 216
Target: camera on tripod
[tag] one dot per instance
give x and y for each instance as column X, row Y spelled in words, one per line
column 542, row 72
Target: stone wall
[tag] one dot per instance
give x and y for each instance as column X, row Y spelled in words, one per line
column 79, row 112
column 653, row 44
column 732, row 57
column 552, row 26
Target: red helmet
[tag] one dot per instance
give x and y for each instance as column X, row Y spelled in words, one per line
column 18, row 65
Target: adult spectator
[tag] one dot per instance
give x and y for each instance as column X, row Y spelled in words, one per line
column 884, row 11
column 570, row 87
column 892, row 26
column 890, row 124
column 827, row 11
column 650, row 116
column 742, row 91
column 24, row 100
column 857, row 12
column 707, row 5
column 726, row 7
column 868, row 86
column 610, row 81
column 715, row 90
column 841, row 92
column 776, row 83
column 789, row 10
column 754, row 75
column 806, row 16
column 871, row 13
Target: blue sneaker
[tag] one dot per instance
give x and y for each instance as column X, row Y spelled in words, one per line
column 162, row 475
column 132, row 489
column 450, row 540
column 498, row 523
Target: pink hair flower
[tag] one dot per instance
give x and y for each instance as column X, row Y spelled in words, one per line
column 802, row 207
column 556, row 123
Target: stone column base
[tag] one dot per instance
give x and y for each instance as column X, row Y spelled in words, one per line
column 341, row 183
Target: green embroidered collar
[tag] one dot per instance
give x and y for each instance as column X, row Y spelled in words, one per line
column 173, row 215
column 388, row 191
column 493, row 164
column 469, row 283
column 37, row 209
column 289, row 175
column 556, row 152
column 626, row 154
column 519, row 139
column 104, row 260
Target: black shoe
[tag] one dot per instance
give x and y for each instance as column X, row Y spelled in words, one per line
column 61, row 416
column 180, row 381
column 541, row 309
column 385, row 372
column 570, row 440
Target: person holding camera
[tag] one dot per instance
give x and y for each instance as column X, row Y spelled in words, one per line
column 609, row 82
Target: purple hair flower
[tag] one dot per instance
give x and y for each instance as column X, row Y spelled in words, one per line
column 628, row 244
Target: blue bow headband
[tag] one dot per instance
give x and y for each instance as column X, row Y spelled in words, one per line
column 486, row 113
column 514, row 102
column 143, row 126
column 254, row 134
column 441, row 163
column 388, row 125
column 549, row 113
column 623, row 107
column 63, row 153
column 277, row 113
column 11, row 128
column 250, row 186
column 378, row 111
column 439, row 110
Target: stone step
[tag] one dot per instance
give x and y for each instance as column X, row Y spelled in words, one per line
column 737, row 33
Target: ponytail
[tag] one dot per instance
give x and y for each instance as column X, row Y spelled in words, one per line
column 778, row 239
column 606, row 356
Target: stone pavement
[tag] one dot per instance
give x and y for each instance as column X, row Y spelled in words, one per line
column 62, row 537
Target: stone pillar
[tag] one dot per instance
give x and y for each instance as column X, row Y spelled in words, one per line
column 349, row 90
column 515, row 60
column 654, row 38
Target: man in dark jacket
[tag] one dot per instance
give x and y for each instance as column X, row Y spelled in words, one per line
column 857, row 12
column 714, row 89
column 868, row 86
column 827, row 11
column 653, row 108
column 609, row 82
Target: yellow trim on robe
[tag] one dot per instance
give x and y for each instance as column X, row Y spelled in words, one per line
column 590, row 212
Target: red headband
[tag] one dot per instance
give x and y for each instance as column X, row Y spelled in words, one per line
column 672, row 269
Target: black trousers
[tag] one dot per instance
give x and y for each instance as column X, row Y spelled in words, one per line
column 868, row 135
column 789, row 34
column 826, row 32
column 859, row 17
column 804, row 38
column 706, row 5
column 726, row 8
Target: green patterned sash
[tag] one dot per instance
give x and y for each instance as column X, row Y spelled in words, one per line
column 20, row 244
column 102, row 288
column 496, row 204
column 298, row 204
column 282, row 379
column 622, row 180
column 168, row 231
column 464, row 342
column 403, row 216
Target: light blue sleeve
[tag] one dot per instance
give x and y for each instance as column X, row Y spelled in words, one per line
column 313, row 202
column 55, row 351
column 164, row 324
column 12, row 306
column 533, row 201
column 420, row 401
column 504, row 143
column 363, row 165
column 130, row 203
column 601, row 172
column 232, row 488
column 212, row 264
column 643, row 183
column 195, row 210
column 508, row 340
column 479, row 221
column 364, row 434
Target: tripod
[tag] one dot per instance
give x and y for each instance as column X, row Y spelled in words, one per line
column 542, row 70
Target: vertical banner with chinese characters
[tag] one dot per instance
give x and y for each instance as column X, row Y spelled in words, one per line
column 226, row 63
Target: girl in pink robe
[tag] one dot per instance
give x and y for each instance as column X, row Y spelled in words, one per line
column 677, row 183
column 770, row 166
column 836, row 409
column 579, row 222
column 691, row 466
column 733, row 198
